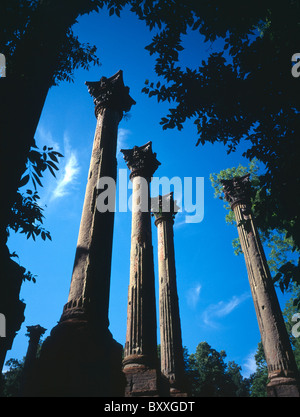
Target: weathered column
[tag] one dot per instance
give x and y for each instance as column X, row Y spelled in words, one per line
column 89, row 291
column 282, row 369
column 81, row 357
column 34, row 333
column 140, row 355
column 164, row 209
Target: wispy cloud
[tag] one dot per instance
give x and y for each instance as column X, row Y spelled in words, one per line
column 193, row 295
column 249, row 365
column 68, row 173
column 180, row 220
column 45, row 137
column 222, row 309
column 123, row 135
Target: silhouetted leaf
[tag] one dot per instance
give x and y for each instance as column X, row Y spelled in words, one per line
column 24, row 180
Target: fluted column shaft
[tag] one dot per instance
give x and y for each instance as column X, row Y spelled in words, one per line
column 141, row 338
column 90, row 284
column 141, row 316
column 282, row 369
column 80, row 357
column 172, row 365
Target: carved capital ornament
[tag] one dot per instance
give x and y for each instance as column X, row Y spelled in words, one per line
column 141, row 160
column 237, row 190
column 110, row 93
column 164, row 208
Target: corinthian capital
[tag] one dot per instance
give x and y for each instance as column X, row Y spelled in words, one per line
column 141, row 160
column 237, row 190
column 110, row 92
column 164, row 208
column 35, row 332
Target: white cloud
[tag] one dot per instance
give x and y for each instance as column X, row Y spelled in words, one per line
column 249, row 366
column 69, row 172
column 222, row 309
column 122, row 141
column 45, row 138
column 180, row 220
column 193, row 294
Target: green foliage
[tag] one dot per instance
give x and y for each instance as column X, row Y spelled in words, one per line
column 243, row 93
column 11, row 380
column 229, row 173
column 16, row 20
column 73, row 55
column 259, row 379
column 210, row 376
column 26, row 214
column 288, row 313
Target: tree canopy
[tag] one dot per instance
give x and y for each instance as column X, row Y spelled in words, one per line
column 210, row 376
column 243, row 93
column 19, row 30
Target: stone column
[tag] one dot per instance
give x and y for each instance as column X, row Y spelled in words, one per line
column 89, row 291
column 140, row 355
column 34, row 333
column 282, row 369
column 164, row 209
column 80, row 356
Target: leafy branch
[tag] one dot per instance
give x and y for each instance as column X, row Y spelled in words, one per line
column 26, row 214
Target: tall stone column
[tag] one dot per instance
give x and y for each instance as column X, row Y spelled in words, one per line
column 89, row 290
column 140, row 355
column 81, row 344
column 282, row 369
column 164, row 209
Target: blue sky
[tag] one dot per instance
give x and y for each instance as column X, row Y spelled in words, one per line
column 214, row 294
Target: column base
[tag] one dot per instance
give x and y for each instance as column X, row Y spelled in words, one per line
column 141, row 380
column 78, row 360
column 175, row 392
column 283, row 387
column 171, row 388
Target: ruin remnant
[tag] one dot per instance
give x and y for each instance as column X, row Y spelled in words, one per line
column 34, row 333
column 282, row 369
column 164, row 209
column 81, row 358
column 140, row 362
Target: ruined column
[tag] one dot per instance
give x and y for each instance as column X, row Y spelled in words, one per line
column 140, row 355
column 88, row 357
column 282, row 369
column 164, row 209
column 34, row 333
column 89, row 290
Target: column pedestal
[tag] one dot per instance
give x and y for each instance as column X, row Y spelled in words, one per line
column 283, row 387
column 79, row 360
column 141, row 380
